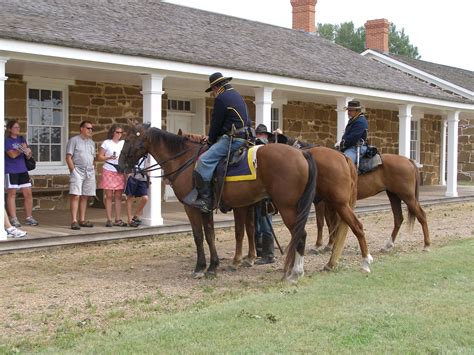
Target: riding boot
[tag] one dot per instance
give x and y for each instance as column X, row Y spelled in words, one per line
column 204, row 189
column 268, row 251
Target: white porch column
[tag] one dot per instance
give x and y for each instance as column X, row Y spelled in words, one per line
column 263, row 106
column 342, row 117
column 152, row 85
column 442, row 162
column 3, row 78
column 404, row 132
column 452, row 182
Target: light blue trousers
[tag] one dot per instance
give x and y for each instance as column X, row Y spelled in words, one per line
column 352, row 153
column 208, row 161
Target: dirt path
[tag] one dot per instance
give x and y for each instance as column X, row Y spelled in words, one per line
column 49, row 292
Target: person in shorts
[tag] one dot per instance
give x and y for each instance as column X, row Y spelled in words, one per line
column 112, row 181
column 16, row 173
column 12, row 231
column 80, row 156
column 137, row 186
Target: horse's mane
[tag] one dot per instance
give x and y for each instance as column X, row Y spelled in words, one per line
column 298, row 143
column 174, row 142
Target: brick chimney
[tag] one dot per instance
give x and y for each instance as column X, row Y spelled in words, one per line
column 304, row 15
column 376, row 35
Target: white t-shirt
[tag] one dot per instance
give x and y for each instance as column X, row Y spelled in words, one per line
column 109, row 147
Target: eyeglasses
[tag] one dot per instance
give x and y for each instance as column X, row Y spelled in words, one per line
column 119, row 132
column 15, row 127
column 89, row 128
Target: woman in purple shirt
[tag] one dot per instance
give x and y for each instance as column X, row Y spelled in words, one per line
column 16, row 173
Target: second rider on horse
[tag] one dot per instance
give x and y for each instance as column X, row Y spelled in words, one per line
column 230, row 124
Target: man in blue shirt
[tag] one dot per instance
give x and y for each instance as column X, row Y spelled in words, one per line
column 355, row 133
column 229, row 111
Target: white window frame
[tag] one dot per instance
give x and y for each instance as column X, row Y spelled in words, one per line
column 51, row 168
column 278, row 107
column 417, row 154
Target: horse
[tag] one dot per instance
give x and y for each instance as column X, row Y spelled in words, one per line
column 336, row 188
column 285, row 174
column 399, row 177
column 335, row 184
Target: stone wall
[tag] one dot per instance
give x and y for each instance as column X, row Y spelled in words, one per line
column 430, row 149
column 466, row 151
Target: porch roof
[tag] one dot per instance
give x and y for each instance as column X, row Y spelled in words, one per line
column 162, row 30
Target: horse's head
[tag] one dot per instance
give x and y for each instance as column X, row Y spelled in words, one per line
column 134, row 147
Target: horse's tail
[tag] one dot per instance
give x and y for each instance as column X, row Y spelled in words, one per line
column 298, row 233
column 411, row 215
column 339, row 232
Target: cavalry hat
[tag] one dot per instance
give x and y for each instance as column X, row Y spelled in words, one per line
column 354, row 105
column 261, row 128
column 215, row 79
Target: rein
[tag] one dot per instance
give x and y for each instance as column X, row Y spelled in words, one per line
column 176, row 172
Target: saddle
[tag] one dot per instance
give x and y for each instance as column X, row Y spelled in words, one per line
column 371, row 160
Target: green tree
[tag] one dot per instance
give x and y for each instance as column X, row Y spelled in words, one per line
column 346, row 35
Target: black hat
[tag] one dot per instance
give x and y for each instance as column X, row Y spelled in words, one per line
column 215, row 79
column 354, row 105
column 261, row 128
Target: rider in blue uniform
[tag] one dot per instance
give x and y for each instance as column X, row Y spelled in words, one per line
column 355, row 133
column 229, row 111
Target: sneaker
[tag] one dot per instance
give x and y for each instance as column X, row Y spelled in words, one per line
column 15, row 233
column 15, row 222
column 30, row 221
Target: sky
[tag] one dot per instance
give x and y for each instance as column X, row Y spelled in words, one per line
column 443, row 31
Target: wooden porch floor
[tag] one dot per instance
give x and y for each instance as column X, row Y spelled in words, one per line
column 54, row 228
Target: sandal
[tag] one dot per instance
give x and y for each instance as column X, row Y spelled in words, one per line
column 75, row 226
column 133, row 223
column 86, row 224
column 120, row 223
column 108, row 223
column 137, row 220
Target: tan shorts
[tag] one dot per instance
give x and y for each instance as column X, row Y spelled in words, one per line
column 82, row 182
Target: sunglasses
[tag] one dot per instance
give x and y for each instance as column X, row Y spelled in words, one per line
column 119, row 132
column 89, row 128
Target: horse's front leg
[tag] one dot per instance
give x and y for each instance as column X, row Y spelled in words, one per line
column 194, row 216
column 239, row 225
column 208, row 222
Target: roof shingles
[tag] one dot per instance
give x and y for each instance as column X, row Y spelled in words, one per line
column 155, row 29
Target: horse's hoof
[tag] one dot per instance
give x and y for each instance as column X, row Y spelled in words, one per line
column 198, row 274
column 247, row 263
column 211, row 274
column 328, row 268
column 232, row 268
column 327, row 249
column 426, row 249
column 315, row 251
column 365, row 268
column 292, row 278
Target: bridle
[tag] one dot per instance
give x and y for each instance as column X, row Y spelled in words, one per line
column 175, row 172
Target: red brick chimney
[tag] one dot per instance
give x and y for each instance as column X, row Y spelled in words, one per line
column 304, row 15
column 376, row 35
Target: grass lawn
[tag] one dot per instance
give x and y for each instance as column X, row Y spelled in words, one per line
column 411, row 303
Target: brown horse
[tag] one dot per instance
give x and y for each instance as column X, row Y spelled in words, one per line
column 399, row 177
column 291, row 187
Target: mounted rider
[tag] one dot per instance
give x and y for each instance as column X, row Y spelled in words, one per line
column 354, row 141
column 229, row 111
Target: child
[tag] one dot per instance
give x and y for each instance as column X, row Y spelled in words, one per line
column 137, row 186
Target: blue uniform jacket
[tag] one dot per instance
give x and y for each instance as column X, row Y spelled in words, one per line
column 229, row 108
column 356, row 130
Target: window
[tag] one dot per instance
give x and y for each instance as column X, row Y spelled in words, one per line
column 415, row 140
column 275, row 120
column 179, row 105
column 47, row 123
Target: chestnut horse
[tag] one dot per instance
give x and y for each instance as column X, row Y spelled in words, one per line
column 399, row 177
column 285, row 174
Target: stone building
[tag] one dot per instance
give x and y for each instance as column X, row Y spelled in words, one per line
column 61, row 63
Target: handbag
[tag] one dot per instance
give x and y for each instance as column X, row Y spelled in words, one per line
column 30, row 163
